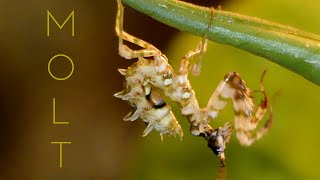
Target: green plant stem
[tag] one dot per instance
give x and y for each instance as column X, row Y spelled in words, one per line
column 291, row 48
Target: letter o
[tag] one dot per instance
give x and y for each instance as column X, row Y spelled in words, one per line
column 72, row 67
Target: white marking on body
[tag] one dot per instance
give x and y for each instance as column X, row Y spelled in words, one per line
column 167, row 82
column 186, row 95
column 244, row 123
column 213, row 114
column 201, row 128
column 219, row 104
column 165, row 121
column 182, row 79
column 248, row 113
column 162, row 67
column 236, row 106
column 160, row 113
column 147, row 90
column 227, row 91
column 195, row 132
column 188, row 110
column 145, row 70
column 245, row 105
column 220, row 141
column 176, row 95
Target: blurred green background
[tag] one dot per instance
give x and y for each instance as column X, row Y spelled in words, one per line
column 105, row 147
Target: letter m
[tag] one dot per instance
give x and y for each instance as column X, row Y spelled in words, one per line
column 49, row 15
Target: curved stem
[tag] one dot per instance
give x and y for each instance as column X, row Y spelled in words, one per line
column 291, row 48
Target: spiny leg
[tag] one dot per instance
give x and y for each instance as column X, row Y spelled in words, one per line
column 194, row 68
column 233, row 87
column 245, row 117
column 247, row 137
column 267, row 125
column 200, row 50
column 263, row 105
column 126, row 36
column 246, row 120
column 124, row 50
column 218, row 98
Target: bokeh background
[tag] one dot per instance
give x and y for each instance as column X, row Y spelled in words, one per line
column 105, row 147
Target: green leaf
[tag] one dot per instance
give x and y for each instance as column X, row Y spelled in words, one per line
column 291, row 48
